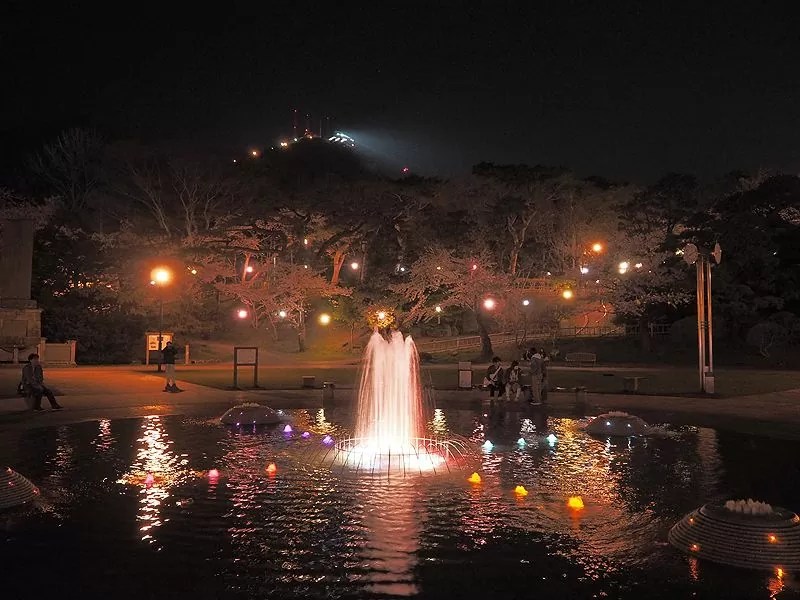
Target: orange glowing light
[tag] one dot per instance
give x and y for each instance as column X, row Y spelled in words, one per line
column 566, row 294
column 597, row 247
column 272, row 469
column 779, row 573
column 575, row 503
column 520, row 491
column 691, row 520
column 773, row 539
column 474, row 478
column 694, row 547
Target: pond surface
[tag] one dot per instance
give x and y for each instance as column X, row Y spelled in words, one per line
column 310, row 532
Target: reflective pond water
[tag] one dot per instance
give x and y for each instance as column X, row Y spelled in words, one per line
column 307, row 531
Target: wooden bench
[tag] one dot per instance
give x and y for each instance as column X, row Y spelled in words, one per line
column 580, row 359
column 631, row 384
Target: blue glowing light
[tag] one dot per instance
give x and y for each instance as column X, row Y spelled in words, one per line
column 521, row 441
column 552, row 439
column 487, row 445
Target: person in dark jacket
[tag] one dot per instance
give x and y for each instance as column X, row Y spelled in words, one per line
column 495, row 378
column 168, row 358
column 33, row 382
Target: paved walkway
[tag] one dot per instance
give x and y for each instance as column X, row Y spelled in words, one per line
column 108, row 392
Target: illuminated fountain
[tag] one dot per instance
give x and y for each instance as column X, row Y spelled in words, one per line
column 741, row 533
column 617, row 423
column 390, row 434
column 15, row 490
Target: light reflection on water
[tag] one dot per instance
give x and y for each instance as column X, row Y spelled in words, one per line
column 306, row 532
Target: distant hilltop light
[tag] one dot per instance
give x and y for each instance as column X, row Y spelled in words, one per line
column 406, row 169
column 342, row 138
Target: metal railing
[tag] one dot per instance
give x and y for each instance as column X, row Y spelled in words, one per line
column 499, row 339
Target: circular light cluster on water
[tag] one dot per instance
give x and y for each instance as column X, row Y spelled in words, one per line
column 15, row 489
column 766, row 540
column 617, row 424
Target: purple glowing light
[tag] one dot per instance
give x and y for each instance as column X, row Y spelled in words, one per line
column 327, row 440
column 306, row 434
column 287, row 429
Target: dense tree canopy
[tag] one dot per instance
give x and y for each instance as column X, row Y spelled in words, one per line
column 312, row 223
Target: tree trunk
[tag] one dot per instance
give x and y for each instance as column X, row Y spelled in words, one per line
column 486, row 341
column 338, row 261
column 513, row 259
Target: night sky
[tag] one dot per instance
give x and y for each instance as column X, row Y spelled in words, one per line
column 623, row 89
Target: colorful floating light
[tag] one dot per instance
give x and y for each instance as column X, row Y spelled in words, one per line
column 306, row 434
column 272, row 469
column 287, row 429
column 149, row 480
column 520, row 491
column 474, row 478
column 213, row 475
column 575, row 503
column 488, row 445
column 327, row 440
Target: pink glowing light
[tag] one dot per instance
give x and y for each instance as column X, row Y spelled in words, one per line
column 213, row 475
column 306, row 434
column 287, row 429
column 327, row 440
column 149, row 480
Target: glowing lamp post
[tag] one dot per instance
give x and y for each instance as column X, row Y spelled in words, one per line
column 567, row 294
column 489, row 304
column 597, row 247
column 242, row 313
column 324, row 319
column 160, row 277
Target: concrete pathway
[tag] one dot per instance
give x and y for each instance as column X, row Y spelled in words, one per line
column 118, row 392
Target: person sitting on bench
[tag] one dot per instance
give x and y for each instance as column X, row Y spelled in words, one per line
column 33, row 381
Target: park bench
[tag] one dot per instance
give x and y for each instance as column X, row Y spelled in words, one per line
column 580, row 359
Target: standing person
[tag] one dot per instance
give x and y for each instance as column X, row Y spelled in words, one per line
column 168, row 358
column 545, row 383
column 514, row 386
column 537, row 366
column 33, row 382
column 494, row 378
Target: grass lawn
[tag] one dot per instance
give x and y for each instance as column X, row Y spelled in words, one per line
column 659, row 381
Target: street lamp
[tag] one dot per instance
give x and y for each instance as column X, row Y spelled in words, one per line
column 354, row 265
column 526, row 302
column 489, row 304
column 160, row 277
column 597, row 247
column 242, row 313
column 324, row 319
column 282, row 314
column 567, row 294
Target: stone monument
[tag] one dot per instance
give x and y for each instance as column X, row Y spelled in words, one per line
column 20, row 318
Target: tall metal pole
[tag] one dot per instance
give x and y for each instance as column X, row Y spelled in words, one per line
column 160, row 327
column 701, row 311
column 710, row 337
